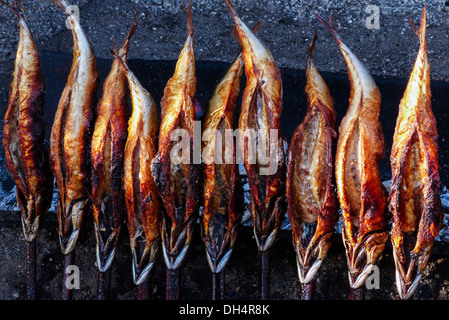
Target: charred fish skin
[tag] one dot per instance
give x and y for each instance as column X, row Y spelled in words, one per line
column 221, row 216
column 311, row 199
column 177, row 181
column 71, row 134
column 261, row 113
column 360, row 148
column 24, row 132
column 141, row 198
column 107, row 153
column 414, row 199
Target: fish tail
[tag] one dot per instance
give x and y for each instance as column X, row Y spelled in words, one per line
column 125, row 46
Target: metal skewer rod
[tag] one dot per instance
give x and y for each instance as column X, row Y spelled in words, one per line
column 218, row 285
column 265, row 274
column 308, row 290
column 31, row 270
column 68, row 260
column 173, row 281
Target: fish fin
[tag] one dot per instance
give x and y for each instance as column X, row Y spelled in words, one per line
column 312, row 45
column 421, row 31
column 188, row 11
column 63, row 5
column 125, row 46
column 331, row 26
column 16, row 7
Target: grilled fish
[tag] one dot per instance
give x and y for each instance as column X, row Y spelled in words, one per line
column 175, row 173
column 415, row 189
column 142, row 201
column 259, row 123
column 107, row 152
column 24, row 132
column 71, row 133
column 220, row 171
column 360, row 148
column 311, row 197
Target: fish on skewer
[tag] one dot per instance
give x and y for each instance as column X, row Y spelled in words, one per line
column 142, row 201
column 221, row 215
column 261, row 114
column 175, row 172
column 71, row 133
column 311, row 198
column 24, row 132
column 107, row 153
column 414, row 199
column 23, row 140
column 360, row 148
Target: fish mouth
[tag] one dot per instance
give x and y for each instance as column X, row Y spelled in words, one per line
column 307, row 273
column 142, row 264
column 218, row 265
column 104, row 261
column 357, row 278
column 67, row 246
column 105, row 250
column 407, row 280
column 406, row 289
column 30, row 229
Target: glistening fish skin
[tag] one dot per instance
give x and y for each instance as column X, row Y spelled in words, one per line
column 178, row 181
column 107, row 152
column 311, row 197
column 142, row 201
column 415, row 189
column 24, row 133
column 220, row 175
column 71, row 134
column 360, row 148
column 261, row 112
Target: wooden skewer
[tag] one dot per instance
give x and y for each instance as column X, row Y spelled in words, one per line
column 69, row 260
column 143, row 290
column 265, row 274
column 173, row 284
column 104, row 285
column 357, row 294
column 307, row 291
column 218, row 285
column 31, row 270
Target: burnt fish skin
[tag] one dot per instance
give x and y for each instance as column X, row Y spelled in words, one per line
column 360, row 148
column 71, row 134
column 24, row 132
column 414, row 199
column 107, row 152
column 261, row 111
column 175, row 173
column 311, row 198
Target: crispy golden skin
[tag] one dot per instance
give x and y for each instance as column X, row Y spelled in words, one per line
column 24, row 134
column 70, row 136
column 107, row 152
column 360, row 147
column 261, row 112
column 311, row 197
column 142, row 201
column 178, row 181
column 415, row 189
column 220, row 171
